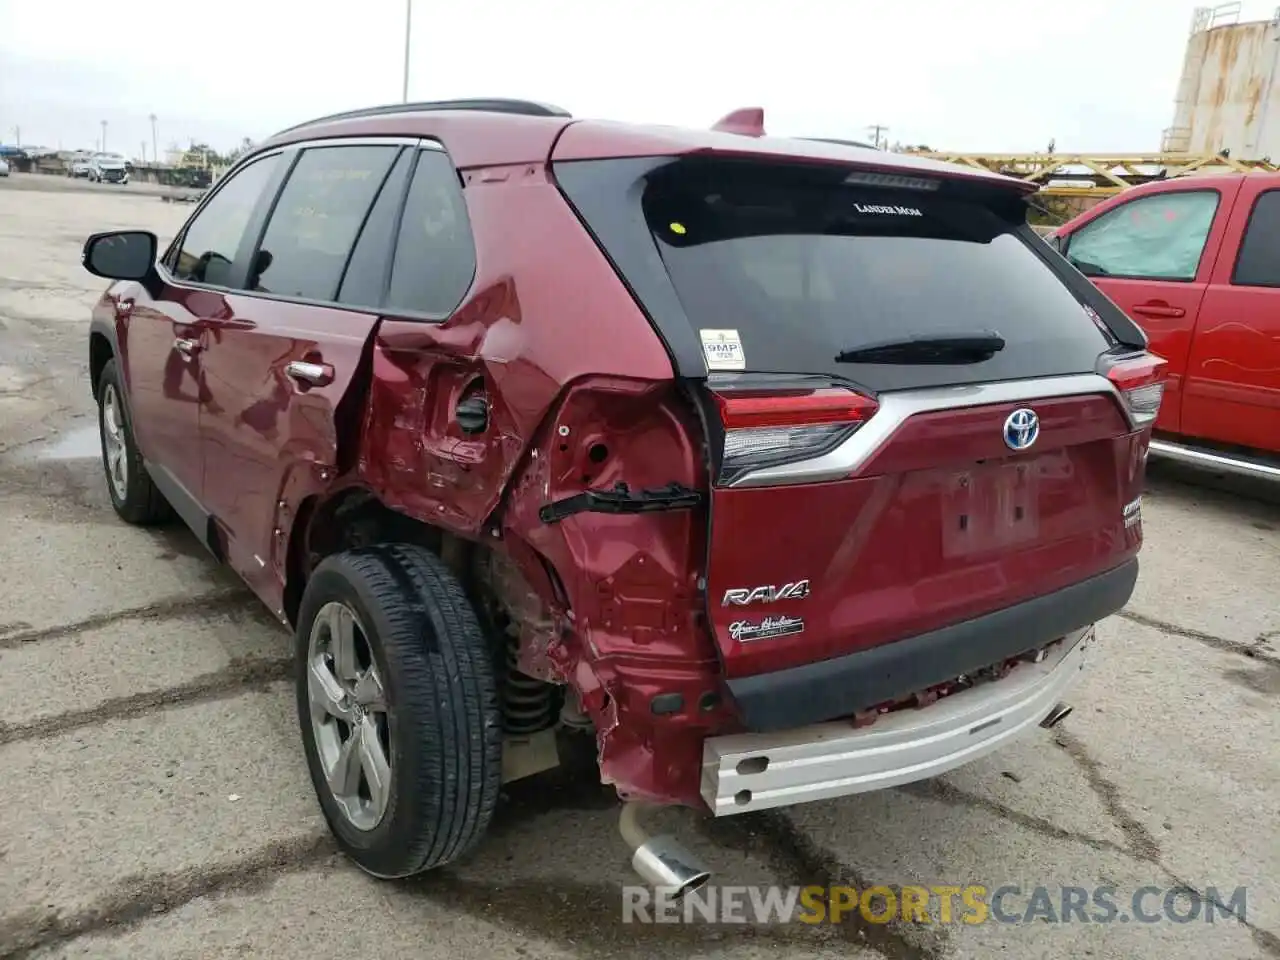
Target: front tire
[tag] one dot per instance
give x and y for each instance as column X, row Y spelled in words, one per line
column 133, row 494
column 397, row 701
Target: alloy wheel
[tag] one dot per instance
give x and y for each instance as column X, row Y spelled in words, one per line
column 349, row 715
column 114, row 450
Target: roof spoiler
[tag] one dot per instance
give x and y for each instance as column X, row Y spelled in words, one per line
column 746, row 122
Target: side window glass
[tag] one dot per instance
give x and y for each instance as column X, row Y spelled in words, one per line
column 1259, row 262
column 1159, row 237
column 435, row 258
column 209, row 245
column 362, row 284
column 316, row 218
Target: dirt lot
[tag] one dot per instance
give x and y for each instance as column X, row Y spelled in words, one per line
column 154, row 801
column 62, row 184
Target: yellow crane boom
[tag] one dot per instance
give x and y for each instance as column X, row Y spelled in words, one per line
column 1098, row 175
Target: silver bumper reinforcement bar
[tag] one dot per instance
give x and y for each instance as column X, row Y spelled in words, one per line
column 756, row 771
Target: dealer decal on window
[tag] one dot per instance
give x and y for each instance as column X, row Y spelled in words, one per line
column 723, row 350
column 895, row 210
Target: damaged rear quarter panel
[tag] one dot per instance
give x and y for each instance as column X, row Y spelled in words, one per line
column 636, row 648
column 555, row 341
column 543, row 310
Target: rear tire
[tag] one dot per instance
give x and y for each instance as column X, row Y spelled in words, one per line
column 413, row 699
column 133, row 494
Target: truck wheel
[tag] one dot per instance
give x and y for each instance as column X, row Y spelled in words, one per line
column 398, row 704
column 133, row 494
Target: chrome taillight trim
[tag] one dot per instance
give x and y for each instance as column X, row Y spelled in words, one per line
column 896, row 407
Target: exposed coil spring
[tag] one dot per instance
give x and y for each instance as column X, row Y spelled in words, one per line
column 527, row 704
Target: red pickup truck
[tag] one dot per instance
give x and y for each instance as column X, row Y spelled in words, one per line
column 1195, row 262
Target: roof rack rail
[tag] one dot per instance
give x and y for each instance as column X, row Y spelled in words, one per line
column 843, row 143
column 526, row 108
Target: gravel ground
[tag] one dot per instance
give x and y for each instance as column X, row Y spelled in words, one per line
column 154, row 801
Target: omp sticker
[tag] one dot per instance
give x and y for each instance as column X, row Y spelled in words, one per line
column 723, row 350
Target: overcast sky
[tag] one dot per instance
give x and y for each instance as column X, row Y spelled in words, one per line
column 965, row 75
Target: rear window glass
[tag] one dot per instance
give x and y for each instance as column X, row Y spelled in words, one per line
column 1258, row 264
column 805, row 266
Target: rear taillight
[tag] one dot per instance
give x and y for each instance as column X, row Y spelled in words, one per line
column 771, row 428
column 1141, row 385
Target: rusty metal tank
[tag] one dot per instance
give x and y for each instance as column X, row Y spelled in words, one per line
column 1229, row 94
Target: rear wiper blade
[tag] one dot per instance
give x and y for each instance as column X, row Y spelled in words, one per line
column 950, row 348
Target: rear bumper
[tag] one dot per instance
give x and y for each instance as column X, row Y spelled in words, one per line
column 841, row 686
column 833, row 759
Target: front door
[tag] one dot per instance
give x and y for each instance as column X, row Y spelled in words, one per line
column 1148, row 256
column 166, row 334
column 161, row 371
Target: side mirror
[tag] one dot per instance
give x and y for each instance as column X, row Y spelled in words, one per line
column 1087, row 267
column 1054, row 241
column 121, row 254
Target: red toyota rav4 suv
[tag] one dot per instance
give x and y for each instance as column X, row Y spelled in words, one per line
column 789, row 468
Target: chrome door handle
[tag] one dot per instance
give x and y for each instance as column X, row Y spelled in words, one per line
column 186, row 347
column 317, row 374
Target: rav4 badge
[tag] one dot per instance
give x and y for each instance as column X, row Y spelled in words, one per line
column 741, row 596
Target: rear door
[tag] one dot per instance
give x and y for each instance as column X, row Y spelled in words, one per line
column 859, row 499
column 1232, row 392
column 281, row 368
column 1153, row 255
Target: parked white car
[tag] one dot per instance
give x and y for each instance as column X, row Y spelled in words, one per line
column 4, row 167
column 108, row 168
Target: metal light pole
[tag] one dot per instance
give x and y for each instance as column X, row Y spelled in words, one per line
column 408, row 26
column 104, row 136
column 155, row 150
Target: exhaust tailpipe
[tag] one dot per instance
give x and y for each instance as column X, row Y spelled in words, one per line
column 1055, row 716
column 662, row 861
